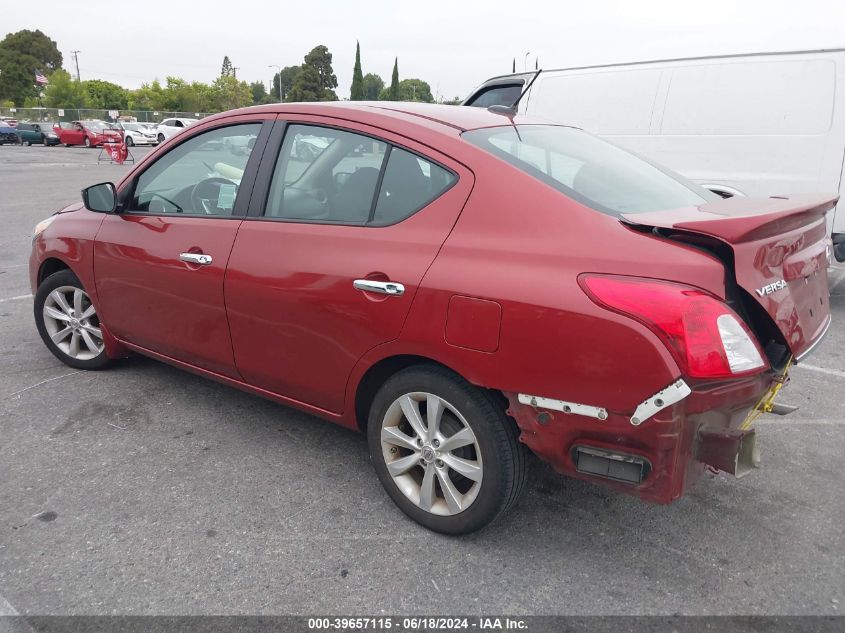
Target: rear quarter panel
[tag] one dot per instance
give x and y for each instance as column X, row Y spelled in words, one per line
column 523, row 245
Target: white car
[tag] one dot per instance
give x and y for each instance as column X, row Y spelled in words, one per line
column 138, row 134
column 172, row 127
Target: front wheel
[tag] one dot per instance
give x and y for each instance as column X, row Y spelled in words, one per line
column 68, row 322
column 87, row 142
column 160, row 137
column 130, row 142
column 444, row 450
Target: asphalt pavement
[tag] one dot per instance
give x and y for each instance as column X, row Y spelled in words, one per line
column 143, row 489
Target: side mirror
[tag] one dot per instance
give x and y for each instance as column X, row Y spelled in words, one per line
column 101, row 198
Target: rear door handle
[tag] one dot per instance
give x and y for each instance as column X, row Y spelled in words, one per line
column 382, row 287
column 195, row 258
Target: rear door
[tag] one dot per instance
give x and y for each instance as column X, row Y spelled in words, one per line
column 337, row 241
column 159, row 264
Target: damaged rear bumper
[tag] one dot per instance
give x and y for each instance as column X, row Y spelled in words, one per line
column 659, row 458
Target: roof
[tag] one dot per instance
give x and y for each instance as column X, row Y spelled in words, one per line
column 423, row 114
column 644, row 62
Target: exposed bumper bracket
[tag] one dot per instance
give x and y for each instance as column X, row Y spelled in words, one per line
column 561, row 405
column 733, row 452
column 675, row 392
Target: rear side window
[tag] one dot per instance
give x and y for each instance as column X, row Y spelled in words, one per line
column 592, row 171
column 409, row 184
column 333, row 176
column 495, row 95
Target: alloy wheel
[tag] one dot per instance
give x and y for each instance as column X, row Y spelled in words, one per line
column 431, row 453
column 72, row 323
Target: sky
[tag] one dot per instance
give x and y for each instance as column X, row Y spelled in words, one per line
column 453, row 45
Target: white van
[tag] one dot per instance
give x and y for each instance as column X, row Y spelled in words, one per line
column 757, row 125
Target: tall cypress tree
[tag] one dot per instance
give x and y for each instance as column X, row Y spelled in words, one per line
column 357, row 93
column 226, row 70
column 394, row 82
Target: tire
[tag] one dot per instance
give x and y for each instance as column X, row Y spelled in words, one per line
column 87, row 142
column 160, row 137
column 59, row 301
column 490, row 459
column 130, row 142
column 29, row 143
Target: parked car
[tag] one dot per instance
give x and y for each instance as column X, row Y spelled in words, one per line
column 137, row 133
column 736, row 124
column 9, row 136
column 171, row 127
column 42, row 133
column 468, row 286
column 87, row 133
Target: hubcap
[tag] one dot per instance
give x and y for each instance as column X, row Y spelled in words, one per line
column 72, row 324
column 431, row 453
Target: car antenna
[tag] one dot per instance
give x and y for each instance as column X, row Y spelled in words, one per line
column 510, row 111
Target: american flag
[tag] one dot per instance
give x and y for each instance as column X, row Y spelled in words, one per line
column 41, row 78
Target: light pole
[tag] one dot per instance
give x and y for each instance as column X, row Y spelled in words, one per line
column 525, row 61
column 279, row 68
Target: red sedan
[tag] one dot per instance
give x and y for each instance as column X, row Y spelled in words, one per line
column 458, row 284
column 87, row 133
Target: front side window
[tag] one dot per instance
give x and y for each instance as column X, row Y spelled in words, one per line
column 333, row 176
column 588, row 169
column 199, row 177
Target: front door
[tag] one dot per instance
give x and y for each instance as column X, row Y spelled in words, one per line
column 159, row 264
column 345, row 230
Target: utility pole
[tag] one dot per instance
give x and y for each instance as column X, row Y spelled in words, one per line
column 76, row 58
column 235, row 72
column 279, row 68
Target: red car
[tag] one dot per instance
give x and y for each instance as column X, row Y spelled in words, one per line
column 87, row 133
column 459, row 284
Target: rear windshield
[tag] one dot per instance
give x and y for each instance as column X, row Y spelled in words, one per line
column 588, row 169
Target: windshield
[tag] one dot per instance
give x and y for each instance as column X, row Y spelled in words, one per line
column 588, row 169
column 94, row 125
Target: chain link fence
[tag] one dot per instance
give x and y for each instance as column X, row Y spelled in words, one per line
column 86, row 114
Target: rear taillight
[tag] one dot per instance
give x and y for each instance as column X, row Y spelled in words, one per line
column 705, row 336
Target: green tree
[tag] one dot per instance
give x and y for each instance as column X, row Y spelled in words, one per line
column 373, row 85
column 230, row 93
column 64, row 92
column 259, row 92
column 226, row 70
column 357, row 92
column 147, row 97
column 22, row 54
column 393, row 91
column 287, row 78
column 104, row 95
column 315, row 80
column 415, row 90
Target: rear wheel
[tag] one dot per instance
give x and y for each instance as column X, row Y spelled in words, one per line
column 444, row 450
column 68, row 322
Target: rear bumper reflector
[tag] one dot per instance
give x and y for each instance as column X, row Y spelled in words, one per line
column 609, row 465
column 731, row 451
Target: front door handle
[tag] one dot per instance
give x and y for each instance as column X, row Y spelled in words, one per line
column 382, row 287
column 195, row 258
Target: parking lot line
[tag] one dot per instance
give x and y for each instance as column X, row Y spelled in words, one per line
column 6, row 608
column 17, row 298
column 38, row 384
column 822, row 370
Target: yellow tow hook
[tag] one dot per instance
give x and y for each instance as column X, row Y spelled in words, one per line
column 767, row 402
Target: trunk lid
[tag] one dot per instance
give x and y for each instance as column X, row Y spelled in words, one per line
column 780, row 253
